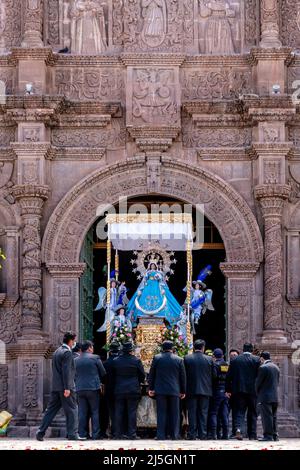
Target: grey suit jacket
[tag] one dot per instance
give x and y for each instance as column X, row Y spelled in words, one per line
column 63, row 370
column 267, row 382
column 89, row 372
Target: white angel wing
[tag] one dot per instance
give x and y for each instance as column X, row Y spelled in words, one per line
column 102, row 298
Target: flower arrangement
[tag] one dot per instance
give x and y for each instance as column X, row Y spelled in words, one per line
column 121, row 333
column 173, row 334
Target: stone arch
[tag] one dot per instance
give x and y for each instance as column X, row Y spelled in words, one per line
column 76, row 212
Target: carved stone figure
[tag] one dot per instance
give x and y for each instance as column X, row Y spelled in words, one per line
column 2, row 25
column 154, row 29
column 218, row 35
column 88, row 33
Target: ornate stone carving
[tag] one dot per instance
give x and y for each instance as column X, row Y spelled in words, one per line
column 153, row 173
column 269, row 10
column 251, row 23
column 10, row 319
column 272, row 171
column 12, row 25
column 88, row 28
column 33, row 23
column 7, row 135
column 154, row 97
column 53, row 21
column 30, row 390
column 292, row 321
column 213, row 84
column 3, row 387
column 89, row 83
column 220, row 26
column 290, row 19
column 223, row 206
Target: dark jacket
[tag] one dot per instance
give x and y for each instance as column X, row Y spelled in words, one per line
column 63, row 370
column 128, row 374
column 200, row 373
column 242, row 374
column 267, row 383
column 219, row 382
column 109, row 383
column 89, row 372
column 167, row 374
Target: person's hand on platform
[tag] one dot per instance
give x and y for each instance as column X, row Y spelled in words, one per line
column 182, row 396
column 151, row 393
column 67, row 393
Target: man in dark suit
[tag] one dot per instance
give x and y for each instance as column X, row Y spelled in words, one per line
column 266, row 387
column 200, row 372
column 63, row 390
column 89, row 376
column 109, row 398
column 128, row 374
column 240, row 383
column 167, row 383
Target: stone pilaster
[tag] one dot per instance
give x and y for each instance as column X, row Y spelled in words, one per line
column 272, row 199
column 31, row 200
column 241, row 308
column 270, row 16
column 33, row 23
column 12, row 268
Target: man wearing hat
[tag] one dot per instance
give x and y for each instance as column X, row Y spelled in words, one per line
column 128, row 375
column 219, row 403
column 266, row 386
column 109, row 399
column 167, row 383
column 200, row 372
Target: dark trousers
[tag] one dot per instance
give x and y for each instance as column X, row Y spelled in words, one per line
column 268, row 413
column 197, row 406
column 168, row 416
column 232, row 408
column 246, row 402
column 218, row 411
column 69, row 405
column 111, row 412
column 89, row 403
column 125, row 412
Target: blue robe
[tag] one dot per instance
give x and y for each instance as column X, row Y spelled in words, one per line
column 153, row 299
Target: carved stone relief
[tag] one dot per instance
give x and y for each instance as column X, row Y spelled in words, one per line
column 10, row 323
column 290, row 23
column 30, row 385
column 10, row 23
column 3, row 386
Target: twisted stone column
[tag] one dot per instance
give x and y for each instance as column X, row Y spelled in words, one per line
column 31, row 200
column 269, row 13
column 272, row 199
column 33, row 26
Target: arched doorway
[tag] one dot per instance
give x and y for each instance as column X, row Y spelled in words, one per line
column 222, row 205
column 212, row 325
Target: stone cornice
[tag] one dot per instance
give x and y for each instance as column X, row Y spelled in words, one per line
column 88, row 120
column 66, row 270
column 239, row 270
column 216, row 60
column 153, row 138
column 93, row 107
column 205, row 107
column 32, row 107
column 275, row 349
column 40, row 149
column 76, row 153
column 259, row 53
column 7, row 154
column 282, row 101
column 276, row 191
column 225, row 153
column 294, row 302
column 146, row 59
column 73, row 60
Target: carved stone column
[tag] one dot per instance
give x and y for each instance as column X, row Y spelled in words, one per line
column 269, row 11
column 31, row 200
column 33, row 26
column 272, row 199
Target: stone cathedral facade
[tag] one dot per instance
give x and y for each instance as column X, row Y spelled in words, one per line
column 192, row 99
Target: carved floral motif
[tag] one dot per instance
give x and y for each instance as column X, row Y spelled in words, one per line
column 30, row 391
column 290, row 18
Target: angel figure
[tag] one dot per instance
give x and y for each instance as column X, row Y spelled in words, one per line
column 117, row 296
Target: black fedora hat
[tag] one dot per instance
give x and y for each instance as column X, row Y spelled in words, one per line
column 128, row 347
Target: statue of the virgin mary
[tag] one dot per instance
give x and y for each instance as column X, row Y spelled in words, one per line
column 153, row 298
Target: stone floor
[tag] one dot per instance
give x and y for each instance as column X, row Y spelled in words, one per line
column 61, row 444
